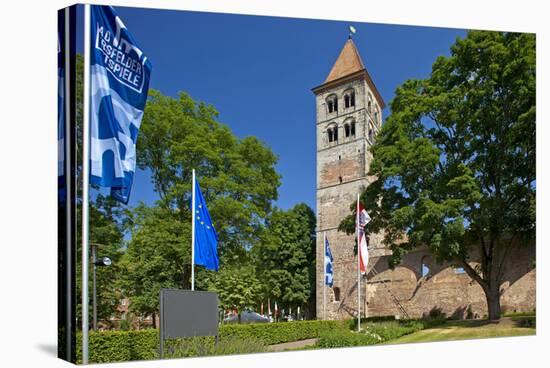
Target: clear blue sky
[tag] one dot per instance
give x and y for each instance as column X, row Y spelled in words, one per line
column 258, row 72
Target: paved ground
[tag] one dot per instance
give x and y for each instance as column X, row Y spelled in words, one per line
column 292, row 345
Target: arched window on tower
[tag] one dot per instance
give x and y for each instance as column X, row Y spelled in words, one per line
column 332, row 133
column 369, row 104
column 352, row 129
column 349, row 98
column 332, row 103
column 347, row 131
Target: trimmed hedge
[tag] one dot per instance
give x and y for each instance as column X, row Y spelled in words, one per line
column 115, row 346
column 277, row 333
column 372, row 333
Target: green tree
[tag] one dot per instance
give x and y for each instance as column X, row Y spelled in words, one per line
column 237, row 178
column 237, row 175
column 156, row 257
column 107, row 235
column 455, row 160
column 237, row 287
column 284, row 258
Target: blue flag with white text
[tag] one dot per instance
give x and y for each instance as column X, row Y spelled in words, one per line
column 119, row 80
column 328, row 264
column 206, row 238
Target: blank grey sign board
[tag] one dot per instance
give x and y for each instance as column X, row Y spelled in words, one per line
column 186, row 313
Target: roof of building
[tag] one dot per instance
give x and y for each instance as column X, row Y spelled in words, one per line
column 349, row 66
column 348, row 62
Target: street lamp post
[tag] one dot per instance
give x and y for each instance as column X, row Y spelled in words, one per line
column 102, row 262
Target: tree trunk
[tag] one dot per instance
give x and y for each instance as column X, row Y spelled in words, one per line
column 493, row 302
column 239, row 317
column 154, row 320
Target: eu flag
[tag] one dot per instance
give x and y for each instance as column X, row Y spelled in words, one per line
column 206, row 239
column 120, row 73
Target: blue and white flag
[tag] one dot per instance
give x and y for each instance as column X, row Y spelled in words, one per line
column 206, row 238
column 120, row 73
column 328, row 264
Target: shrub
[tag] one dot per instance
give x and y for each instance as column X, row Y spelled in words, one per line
column 525, row 321
column 206, row 346
column 372, row 333
column 436, row 313
column 392, row 330
column 115, row 346
column 342, row 338
column 277, row 333
column 520, row 314
column 352, row 323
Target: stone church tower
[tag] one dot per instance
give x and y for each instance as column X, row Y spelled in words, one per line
column 348, row 118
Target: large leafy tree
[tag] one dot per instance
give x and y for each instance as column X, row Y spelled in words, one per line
column 237, row 175
column 238, row 180
column 284, row 258
column 455, row 161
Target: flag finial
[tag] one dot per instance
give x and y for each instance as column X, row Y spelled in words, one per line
column 352, row 31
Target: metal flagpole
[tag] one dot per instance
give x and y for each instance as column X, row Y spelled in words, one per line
column 68, row 183
column 193, row 234
column 325, row 277
column 85, row 183
column 358, row 268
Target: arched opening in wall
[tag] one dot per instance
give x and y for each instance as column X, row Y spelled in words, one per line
column 352, row 129
column 332, row 103
column 332, row 134
column 349, row 98
column 336, row 294
column 346, row 130
column 369, row 104
column 424, row 267
column 371, row 135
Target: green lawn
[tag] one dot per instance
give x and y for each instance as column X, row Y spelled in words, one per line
column 462, row 330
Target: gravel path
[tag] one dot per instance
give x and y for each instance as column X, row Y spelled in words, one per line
column 292, row 345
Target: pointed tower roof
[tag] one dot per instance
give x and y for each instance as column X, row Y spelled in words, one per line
column 348, row 62
column 348, row 67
